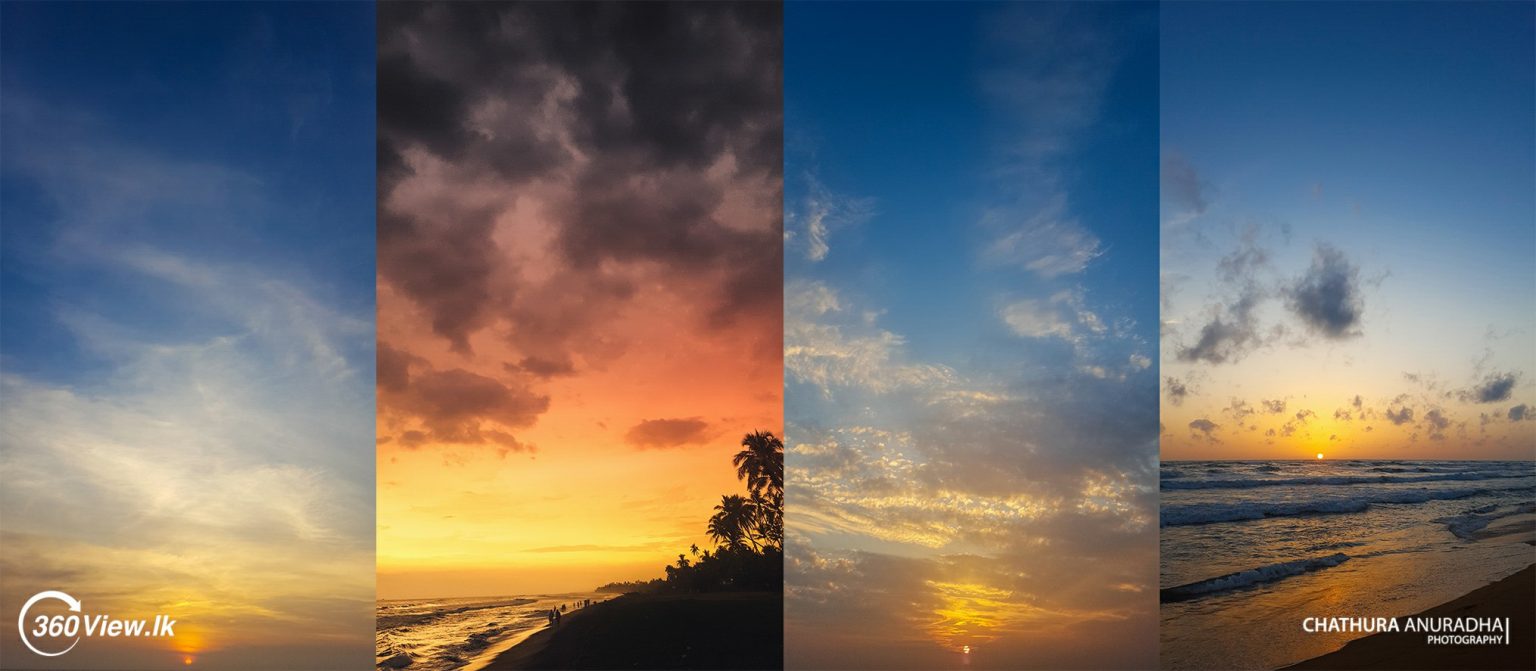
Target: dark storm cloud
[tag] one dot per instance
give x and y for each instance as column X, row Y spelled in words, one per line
column 1520, row 412
column 699, row 82
column 1327, row 297
column 667, row 219
column 455, row 395
column 662, row 433
column 631, row 107
column 1495, row 388
column 394, row 368
column 444, row 262
column 454, row 406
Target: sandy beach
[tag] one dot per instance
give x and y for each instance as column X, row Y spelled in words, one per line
column 660, row 631
column 1250, row 549
column 1513, row 597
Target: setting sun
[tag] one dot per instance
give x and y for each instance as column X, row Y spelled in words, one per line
column 1319, row 455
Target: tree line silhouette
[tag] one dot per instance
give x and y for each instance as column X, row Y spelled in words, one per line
column 748, row 531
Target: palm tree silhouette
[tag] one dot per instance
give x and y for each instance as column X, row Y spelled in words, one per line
column 769, row 522
column 733, row 521
column 761, row 462
column 761, row 465
column 748, row 529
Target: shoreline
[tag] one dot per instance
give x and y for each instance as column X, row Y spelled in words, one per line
column 740, row 630
column 522, row 648
column 1513, row 597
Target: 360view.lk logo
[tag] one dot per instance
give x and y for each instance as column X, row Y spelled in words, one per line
column 51, row 635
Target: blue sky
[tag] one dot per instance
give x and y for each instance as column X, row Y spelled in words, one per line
column 186, row 335
column 282, row 98
column 970, row 329
column 1395, row 140
column 914, row 131
column 1378, row 98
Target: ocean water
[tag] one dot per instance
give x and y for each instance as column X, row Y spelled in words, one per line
column 463, row 633
column 1251, row 548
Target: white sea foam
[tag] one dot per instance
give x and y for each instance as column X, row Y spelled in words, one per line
column 1209, row 513
column 1289, row 525
column 443, row 634
column 1466, row 525
column 1254, row 576
column 1243, row 483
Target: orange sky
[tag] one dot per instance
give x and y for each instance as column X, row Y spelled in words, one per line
column 1427, row 367
column 583, row 506
column 579, row 292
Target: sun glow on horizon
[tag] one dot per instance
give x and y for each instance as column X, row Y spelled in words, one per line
column 1319, row 455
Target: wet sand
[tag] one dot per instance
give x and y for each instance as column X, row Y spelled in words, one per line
column 517, row 655
column 660, row 631
column 1513, row 597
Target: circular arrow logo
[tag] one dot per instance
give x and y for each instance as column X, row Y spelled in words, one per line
column 43, row 627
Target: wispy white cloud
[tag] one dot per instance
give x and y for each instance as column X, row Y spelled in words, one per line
column 828, row 346
column 1054, row 72
column 962, row 481
column 212, row 454
column 1062, row 316
column 215, row 478
column 809, row 225
column 1047, row 241
column 999, row 490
